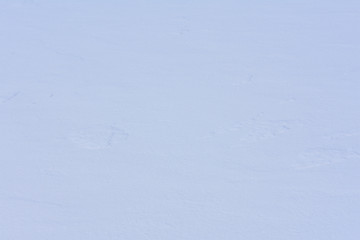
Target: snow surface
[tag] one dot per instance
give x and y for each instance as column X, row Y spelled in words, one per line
column 196, row 120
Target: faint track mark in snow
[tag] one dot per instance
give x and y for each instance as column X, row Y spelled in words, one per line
column 98, row 137
column 181, row 26
column 319, row 157
column 36, row 202
column 9, row 98
column 341, row 136
column 244, row 81
column 21, row 3
column 256, row 130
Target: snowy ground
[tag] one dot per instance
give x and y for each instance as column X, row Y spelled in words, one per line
column 199, row 120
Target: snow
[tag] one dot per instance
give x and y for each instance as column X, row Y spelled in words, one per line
column 179, row 119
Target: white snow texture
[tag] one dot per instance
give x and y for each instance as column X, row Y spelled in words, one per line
column 179, row 120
